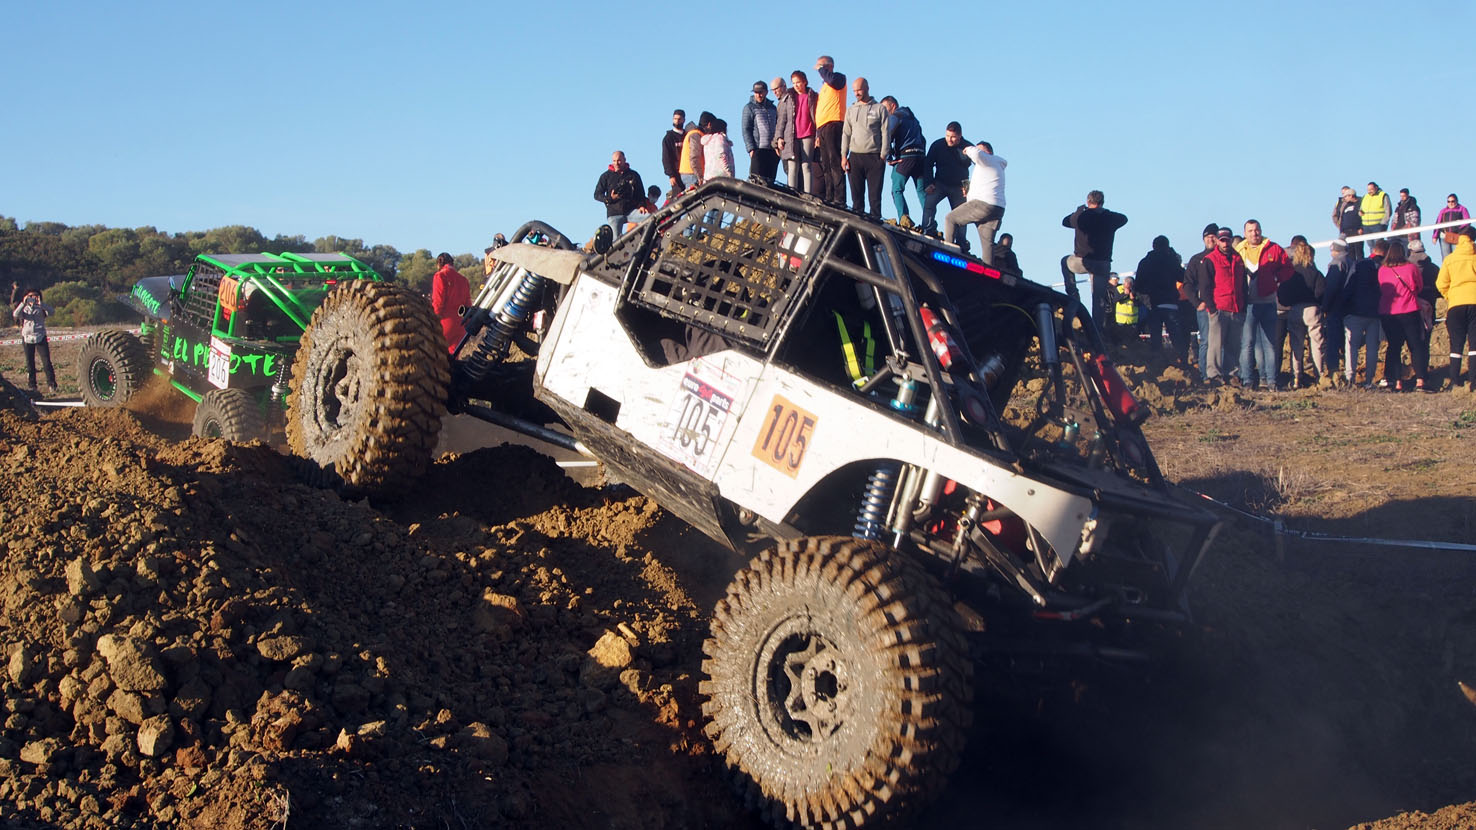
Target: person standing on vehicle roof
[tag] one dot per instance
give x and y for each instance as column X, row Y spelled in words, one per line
column 945, row 169
column 622, row 191
column 671, row 150
column 450, row 292
column 905, row 155
column 864, row 137
column 689, row 165
column 1374, row 210
column 985, row 205
column 760, row 117
column 797, row 134
column 784, row 103
column 830, row 114
column 1346, row 219
column 1095, row 227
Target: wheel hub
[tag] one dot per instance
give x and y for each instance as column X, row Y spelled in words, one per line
column 802, row 684
column 103, row 382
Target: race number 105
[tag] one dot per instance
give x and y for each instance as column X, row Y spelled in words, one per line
column 784, row 436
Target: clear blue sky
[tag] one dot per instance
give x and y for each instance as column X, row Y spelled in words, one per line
column 434, row 125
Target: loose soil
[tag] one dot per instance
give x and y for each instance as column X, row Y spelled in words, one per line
column 195, row 635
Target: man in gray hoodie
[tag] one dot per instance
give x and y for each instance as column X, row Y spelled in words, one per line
column 864, row 140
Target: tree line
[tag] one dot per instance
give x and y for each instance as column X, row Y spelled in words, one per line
column 82, row 269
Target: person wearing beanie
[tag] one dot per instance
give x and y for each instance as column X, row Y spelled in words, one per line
column 689, row 163
column 1197, row 279
column 1158, row 277
column 1224, row 299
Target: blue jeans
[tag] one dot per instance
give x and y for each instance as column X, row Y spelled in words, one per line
column 688, row 179
column 903, row 170
column 954, row 195
column 1257, row 347
column 1445, row 248
column 1204, row 341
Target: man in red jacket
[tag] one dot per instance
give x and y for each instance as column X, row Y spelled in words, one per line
column 1222, row 290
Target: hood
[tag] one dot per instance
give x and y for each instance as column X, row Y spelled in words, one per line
column 1465, row 246
column 903, row 112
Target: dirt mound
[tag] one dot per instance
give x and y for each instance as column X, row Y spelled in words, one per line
column 194, row 637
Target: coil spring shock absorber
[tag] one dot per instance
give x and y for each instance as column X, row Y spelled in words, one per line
column 871, row 518
column 493, row 346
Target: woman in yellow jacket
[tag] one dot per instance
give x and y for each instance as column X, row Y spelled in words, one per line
column 1457, row 282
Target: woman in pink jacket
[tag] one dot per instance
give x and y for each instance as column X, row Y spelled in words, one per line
column 1399, row 315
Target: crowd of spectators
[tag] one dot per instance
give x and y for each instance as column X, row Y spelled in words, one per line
column 1260, row 308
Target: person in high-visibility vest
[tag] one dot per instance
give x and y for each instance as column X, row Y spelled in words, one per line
column 1374, row 209
column 1127, row 309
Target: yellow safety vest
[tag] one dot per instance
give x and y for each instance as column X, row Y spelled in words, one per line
column 1127, row 313
column 1373, row 209
column 858, row 372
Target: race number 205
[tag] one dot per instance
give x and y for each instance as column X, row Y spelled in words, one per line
column 784, row 436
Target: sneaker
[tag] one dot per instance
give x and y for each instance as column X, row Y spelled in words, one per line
column 906, row 222
column 51, row 390
column 1382, row 384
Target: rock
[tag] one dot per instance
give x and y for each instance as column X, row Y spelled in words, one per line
column 155, row 736
column 609, row 656
column 23, row 664
column 479, row 741
column 592, row 700
column 280, row 733
column 81, row 579
column 300, row 679
column 192, row 701
column 130, row 706
column 189, row 758
column 41, row 753
column 133, row 664
column 283, row 649
column 498, row 613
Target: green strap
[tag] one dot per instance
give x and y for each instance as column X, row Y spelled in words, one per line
column 848, row 350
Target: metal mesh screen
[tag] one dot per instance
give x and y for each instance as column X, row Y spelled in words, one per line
column 729, row 268
column 199, row 304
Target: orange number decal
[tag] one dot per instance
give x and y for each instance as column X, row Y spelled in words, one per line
column 784, row 437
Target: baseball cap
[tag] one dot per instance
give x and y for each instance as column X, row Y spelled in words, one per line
column 1210, row 230
column 760, row 86
column 1225, row 233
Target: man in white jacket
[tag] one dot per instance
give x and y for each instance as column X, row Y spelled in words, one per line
column 985, row 205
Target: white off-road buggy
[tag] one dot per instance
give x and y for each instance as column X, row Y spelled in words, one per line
column 931, row 461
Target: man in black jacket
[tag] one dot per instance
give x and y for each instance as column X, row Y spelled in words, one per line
column 1345, row 217
column 1158, row 277
column 621, row 190
column 1195, row 307
column 1095, row 227
column 671, row 150
column 944, row 171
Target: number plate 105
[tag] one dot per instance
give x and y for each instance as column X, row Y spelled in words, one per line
column 785, row 436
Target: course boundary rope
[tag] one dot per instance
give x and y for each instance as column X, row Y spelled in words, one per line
column 1280, row 530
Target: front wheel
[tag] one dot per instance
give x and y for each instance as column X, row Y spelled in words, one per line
column 838, row 684
column 369, row 387
column 111, row 368
column 232, row 414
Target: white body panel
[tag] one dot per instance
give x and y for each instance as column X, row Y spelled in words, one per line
column 763, row 434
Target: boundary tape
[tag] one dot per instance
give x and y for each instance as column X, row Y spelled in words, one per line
column 50, row 339
column 1280, row 530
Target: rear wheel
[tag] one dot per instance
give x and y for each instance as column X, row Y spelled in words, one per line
column 838, row 684
column 232, row 414
column 369, row 387
column 112, row 367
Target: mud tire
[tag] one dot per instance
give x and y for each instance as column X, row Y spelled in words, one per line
column 844, row 621
column 232, row 414
column 369, row 386
column 111, row 368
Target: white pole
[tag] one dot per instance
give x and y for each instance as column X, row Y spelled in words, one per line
column 1362, row 237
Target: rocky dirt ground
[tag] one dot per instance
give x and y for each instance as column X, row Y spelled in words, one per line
column 195, row 636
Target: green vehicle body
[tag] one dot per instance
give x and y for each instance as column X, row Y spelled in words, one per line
column 233, row 321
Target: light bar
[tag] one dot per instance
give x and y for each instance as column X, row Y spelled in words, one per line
column 971, row 267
